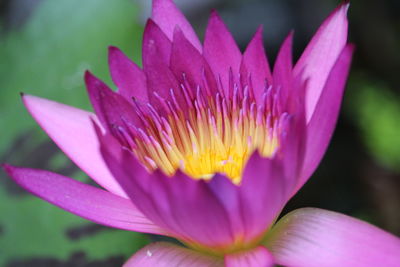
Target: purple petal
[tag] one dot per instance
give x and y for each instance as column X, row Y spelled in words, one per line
column 163, row 254
column 156, row 60
column 255, row 64
column 320, row 127
column 321, row 54
column 127, row 76
column 161, row 81
column 188, row 64
column 221, row 51
column 71, row 129
column 186, row 207
column 283, row 66
column 315, row 237
column 256, row 257
column 263, row 191
column 112, row 109
column 86, row 201
column 168, row 16
column 156, row 48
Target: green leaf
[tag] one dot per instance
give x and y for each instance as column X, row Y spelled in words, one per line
column 376, row 111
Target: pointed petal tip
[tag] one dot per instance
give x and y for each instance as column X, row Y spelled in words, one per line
column 343, row 7
column 113, row 49
column 214, row 15
column 291, row 34
column 260, row 30
column 288, row 41
column 158, row 2
column 167, row 14
column 27, row 100
column 113, row 54
column 12, row 172
column 149, row 23
column 351, row 46
column 6, row 167
column 346, row 4
column 88, row 75
column 91, row 81
column 177, row 32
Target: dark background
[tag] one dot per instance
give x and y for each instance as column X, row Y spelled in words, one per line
column 45, row 45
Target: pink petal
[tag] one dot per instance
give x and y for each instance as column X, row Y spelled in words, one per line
column 168, row 16
column 321, row 54
column 320, row 127
column 188, row 64
column 256, row 257
column 314, row 237
column 127, row 76
column 86, row 201
column 163, row 254
column 71, row 129
column 161, row 81
column 185, row 207
column 156, row 48
column 156, row 60
column 255, row 64
column 283, row 66
column 112, row 109
column 221, row 51
column 263, row 191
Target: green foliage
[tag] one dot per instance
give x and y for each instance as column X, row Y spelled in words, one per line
column 376, row 111
column 49, row 55
column 47, row 58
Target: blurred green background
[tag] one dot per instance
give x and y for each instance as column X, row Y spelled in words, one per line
column 46, row 45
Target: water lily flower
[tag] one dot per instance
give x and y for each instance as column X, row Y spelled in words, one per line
column 206, row 145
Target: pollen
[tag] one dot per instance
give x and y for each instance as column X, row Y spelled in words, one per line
column 208, row 133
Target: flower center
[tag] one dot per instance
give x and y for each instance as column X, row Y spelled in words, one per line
column 207, row 134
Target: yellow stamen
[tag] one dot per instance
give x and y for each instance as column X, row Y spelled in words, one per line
column 202, row 141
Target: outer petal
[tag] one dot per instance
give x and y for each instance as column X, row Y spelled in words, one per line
column 320, row 127
column 128, row 77
column 255, row 64
column 257, row 257
column 71, row 129
column 221, row 51
column 163, row 254
column 168, row 16
column 321, row 54
column 83, row 200
column 315, row 237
